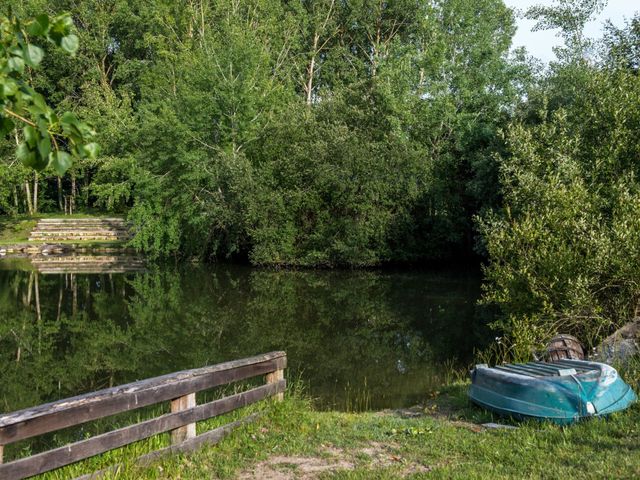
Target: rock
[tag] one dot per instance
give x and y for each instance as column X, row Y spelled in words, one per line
column 48, row 249
column 498, row 426
column 411, row 412
column 621, row 345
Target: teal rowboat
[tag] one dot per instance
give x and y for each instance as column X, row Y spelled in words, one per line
column 564, row 391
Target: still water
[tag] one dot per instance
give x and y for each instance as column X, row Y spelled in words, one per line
column 355, row 339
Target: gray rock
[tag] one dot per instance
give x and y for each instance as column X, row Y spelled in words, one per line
column 498, row 426
column 49, row 249
column 411, row 412
column 620, row 346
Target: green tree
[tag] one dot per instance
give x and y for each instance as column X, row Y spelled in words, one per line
column 563, row 252
column 570, row 17
column 205, row 104
column 228, row 128
column 47, row 139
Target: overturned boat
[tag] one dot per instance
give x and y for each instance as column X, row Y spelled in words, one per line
column 563, row 391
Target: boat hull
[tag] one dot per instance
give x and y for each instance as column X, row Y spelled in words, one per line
column 563, row 392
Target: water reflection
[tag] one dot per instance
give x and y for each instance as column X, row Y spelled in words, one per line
column 357, row 339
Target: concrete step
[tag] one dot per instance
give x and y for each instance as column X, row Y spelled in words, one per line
column 83, row 224
column 79, row 232
column 46, row 228
column 69, row 226
column 89, row 223
column 80, row 258
column 51, row 236
column 89, row 264
column 82, row 220
column 101, row 238
column 84, row 230
column 89, row 271
column 107, row 229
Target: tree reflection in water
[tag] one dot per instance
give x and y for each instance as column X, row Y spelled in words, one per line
column 363, row 339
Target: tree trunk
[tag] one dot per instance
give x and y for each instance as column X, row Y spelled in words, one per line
column 60, row 205
column 60, row 298
column 35, row 192
column 202, row 22
column 74, row 289
column 39, row 315
column 37, row 290
column 86, row 188
column 72, row 203
column 27, row 192
column 29, row 289
column 311, row 70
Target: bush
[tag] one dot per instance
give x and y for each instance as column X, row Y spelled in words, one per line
column 564, row 253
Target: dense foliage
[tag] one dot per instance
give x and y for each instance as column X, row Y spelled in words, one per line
column 356, row 133
column 294, row 133
column 564, row 251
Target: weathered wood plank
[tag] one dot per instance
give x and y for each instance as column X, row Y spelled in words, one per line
column 181, row 434
column 83, row 408
column 275, row 377
column 207, row 438
column 59, row 457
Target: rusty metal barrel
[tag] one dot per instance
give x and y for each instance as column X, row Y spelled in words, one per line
column 563, row 347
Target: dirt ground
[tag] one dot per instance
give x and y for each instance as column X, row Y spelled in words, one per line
column 374, row 455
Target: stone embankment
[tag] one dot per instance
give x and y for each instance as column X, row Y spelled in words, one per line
column 80, row 229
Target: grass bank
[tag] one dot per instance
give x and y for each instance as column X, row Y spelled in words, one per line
column 442, row 439
column 15, row 230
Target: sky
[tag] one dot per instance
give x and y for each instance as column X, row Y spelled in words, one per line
column 539, row 44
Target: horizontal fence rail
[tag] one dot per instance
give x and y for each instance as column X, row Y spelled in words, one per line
column 179, row 388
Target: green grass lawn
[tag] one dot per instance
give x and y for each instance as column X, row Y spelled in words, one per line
column 292, row 440
column 16, row 230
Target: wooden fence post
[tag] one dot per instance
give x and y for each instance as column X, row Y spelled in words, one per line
column 275, row 377
column 181, row 434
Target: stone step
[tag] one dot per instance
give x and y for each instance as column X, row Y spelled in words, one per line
column 48, row 237
column 44, row 228
column 71, row 229
column 81, row 220
column 68, row 226
column 83, row 224
column 73, row 260
column 78, row 239
column 89, row 271
column 88, row 265
column 79, row 232
column 107, row 229
column 52, row 238
column 81, row 258
column 50, row 263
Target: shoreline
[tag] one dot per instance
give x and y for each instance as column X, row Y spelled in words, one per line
column 444, row 438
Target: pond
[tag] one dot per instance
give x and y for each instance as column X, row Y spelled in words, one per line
column 355, row 340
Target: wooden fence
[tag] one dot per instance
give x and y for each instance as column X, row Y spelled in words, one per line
column 179, row 388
